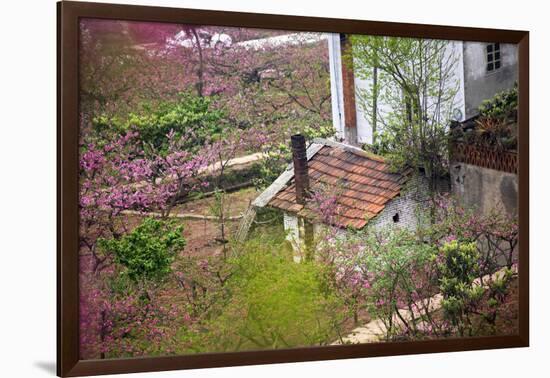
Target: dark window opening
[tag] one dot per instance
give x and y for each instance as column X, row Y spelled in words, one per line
column 493, row 57
column 395, row 218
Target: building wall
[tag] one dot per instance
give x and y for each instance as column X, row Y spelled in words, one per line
column 295, row 234
column 479, row 84
column 364, row 127
column 336, row 89
column 405, row 210
column 291, row 228
column 484, row 188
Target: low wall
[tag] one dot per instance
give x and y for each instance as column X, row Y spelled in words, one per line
column 484, row 188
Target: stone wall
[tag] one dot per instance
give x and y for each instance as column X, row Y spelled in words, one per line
column 484, row 188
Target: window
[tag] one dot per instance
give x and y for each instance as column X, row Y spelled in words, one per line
column 493, row 57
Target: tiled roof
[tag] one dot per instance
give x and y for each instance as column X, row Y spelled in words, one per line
column 363, row 184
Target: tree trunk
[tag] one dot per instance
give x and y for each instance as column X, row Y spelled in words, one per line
column 200, row 70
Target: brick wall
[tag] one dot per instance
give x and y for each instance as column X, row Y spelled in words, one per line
column 405, row 209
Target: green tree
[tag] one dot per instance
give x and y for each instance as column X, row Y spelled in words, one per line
column 146, row 253
column 189, row 115
column 458, row 270
column 415, row 81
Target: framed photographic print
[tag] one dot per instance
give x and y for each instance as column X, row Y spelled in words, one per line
column 239, row 188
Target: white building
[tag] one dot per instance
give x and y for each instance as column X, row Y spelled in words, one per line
column 481, row 71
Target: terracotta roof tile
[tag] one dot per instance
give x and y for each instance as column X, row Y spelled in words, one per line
column 366, row 183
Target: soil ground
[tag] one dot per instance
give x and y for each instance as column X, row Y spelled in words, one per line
column 203, row 236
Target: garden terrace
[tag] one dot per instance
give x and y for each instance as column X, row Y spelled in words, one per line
column 485, row 142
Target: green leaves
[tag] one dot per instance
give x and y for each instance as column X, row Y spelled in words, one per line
column 458, row 270
column 273, row 302
column 501, row 105
column 413, row 99
column 148, row 251
column 187, row 115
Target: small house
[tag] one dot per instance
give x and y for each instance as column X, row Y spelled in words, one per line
column 369, row 192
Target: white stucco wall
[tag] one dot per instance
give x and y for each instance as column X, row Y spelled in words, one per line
column 364, row 129
column 291, row 229
column 336, row 89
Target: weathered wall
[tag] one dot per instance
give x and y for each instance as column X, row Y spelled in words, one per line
column 295, row 229
column 479, row 84
column 409, row 206
column 484, row 188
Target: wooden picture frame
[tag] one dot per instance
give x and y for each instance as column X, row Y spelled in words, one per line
column 69, row 13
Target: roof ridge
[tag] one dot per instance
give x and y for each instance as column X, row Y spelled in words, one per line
column 350, row 148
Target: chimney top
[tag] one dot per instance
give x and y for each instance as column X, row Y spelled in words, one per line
column 297, row 139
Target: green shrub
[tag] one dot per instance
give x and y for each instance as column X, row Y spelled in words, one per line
column 501, row 105
column 189, row 115
column 458, row 270
column 148, row 251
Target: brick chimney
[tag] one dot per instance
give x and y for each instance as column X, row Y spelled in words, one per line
column 301, row 177
column 348, row 92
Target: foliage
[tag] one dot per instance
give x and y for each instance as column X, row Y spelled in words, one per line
column 458, row 270
column 393, row 271
column 188, row 115
column 280, row 90
column 273, row 302
column 416, row 82
column 116, row 75
column 495, row 232
column 496, row 126
column 162, row 109
column 202, row 280
column 117, row 176
column 125, row 324
column 396, row 273
column 500, row 105
column 463, row 298
column 147, row 252
column 170, row 108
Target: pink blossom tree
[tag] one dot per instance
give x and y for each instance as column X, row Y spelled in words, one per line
column 118, row 176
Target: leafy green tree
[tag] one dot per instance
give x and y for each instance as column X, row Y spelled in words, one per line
column 148, row 251
column 458, row 270
column 414, row 80
column 463, row 299
column 189, row 115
